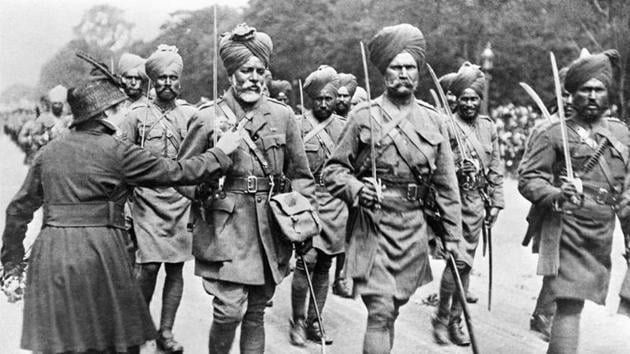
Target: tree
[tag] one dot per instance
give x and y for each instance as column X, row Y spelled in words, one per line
column 104, row 26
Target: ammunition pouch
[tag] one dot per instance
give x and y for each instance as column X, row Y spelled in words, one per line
column 294, row 216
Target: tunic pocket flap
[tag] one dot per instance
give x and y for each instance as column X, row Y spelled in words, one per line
column 223, row 204
column 153, row 134
column 273, row 140
column 430, row 137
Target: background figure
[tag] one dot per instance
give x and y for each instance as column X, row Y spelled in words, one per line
column 360, row 95
column 160, row 215
column 480, row 175
column 321, row 86
column 347, row 87
column 280, row 90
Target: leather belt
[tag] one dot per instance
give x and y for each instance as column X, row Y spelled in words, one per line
column 601, row 195
column 249, row 184
column 95, row 214
column 409, row 191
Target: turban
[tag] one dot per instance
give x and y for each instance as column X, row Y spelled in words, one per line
column 360, row 95
column 596, row 66
column 446, row 81
column 468, row 76
column 58, row 94
column 393, row 40
column 130, row 61
column 278, row 86
column 163, row 58
column 325, row 78
column 238, row 46
column 348, row 81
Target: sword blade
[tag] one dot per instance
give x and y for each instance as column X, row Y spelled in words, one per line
column 539, row 103
column 489, row 231
column 461, row 292
column 563, row 126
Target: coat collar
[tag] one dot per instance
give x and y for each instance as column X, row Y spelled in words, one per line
column 259, row 113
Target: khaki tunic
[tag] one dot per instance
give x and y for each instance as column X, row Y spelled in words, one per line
column 333, row 212
column 387, row 251
column 489, row 159
column 160, row 215
column 575, row 247
column 235, row 241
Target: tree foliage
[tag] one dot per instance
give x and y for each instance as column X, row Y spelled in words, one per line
column 309, row 33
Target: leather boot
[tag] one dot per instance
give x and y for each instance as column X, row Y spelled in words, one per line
column 297, row 332
column 542, row 324
column 168, row 344
column 456, row 332
column 314, row 333
column 440, row 332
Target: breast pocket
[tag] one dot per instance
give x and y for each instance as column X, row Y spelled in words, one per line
column 428, row 148
column 273, row 146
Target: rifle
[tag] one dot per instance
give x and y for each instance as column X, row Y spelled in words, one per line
column 434, row 219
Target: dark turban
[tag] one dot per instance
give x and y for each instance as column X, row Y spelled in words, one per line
column 164, row 57
column 130, row 61
column 325, row 78
column 468, row 76
column 596, row 66
column 278, row 86
column 348, row 81
column 238, row 46
column 393, row 40
column 446, row 81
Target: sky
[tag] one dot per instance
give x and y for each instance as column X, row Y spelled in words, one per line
column 31, row 31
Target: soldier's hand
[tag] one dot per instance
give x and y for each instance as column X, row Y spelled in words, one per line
column 229, row 142
column 301, row 248
column 468, row 167
column 570, row 194
column 453, row 248
column 368, row 196
column 491, row 216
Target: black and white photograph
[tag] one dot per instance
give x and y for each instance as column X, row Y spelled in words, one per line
column 314, row 176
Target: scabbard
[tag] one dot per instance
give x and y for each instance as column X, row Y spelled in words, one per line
column 489, row 235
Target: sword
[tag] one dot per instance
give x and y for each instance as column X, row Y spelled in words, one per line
column 563, row 128
column 215, row 77
column 488, row 230
column 375, row 181
column 539, row 103
column 462, row 299
column 301, row 98
column 436, row 100
column 314, row 302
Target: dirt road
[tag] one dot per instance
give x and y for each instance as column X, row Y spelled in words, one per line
column 504, row 330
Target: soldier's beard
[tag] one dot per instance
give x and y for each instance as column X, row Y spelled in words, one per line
column 342, row 108
column 56, row 110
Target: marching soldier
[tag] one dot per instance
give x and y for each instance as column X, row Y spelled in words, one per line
column 80, row 294
column 160, row 215
column 280, row 90
column 576, row 235
column 347, row 86
column 321, row 129
column 445, row 81
column 480, row 176
column 388, row 252
column 50, row 125
column 134, row 78
column 239, row 253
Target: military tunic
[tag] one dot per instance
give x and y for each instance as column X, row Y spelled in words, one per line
column 161, row 214
column 333, row 212
column 80, row 290
column 233, row 238
column 480, row 139
column 575, row 245
column 388, row 252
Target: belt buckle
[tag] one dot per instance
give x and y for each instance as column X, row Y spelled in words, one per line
column 252, row 184
column 602, row 196
column 412, row 191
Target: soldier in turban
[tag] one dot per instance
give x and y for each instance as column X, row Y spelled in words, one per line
column 160, row 215
column 280, row 90
column 134, row 78
column 577, row 233
column 347, row 86
column 50, row 125
column 321, row 129
column 445, row 82
column 240, row 255
column 388, row 252
column 480, row 174
column 360, row 95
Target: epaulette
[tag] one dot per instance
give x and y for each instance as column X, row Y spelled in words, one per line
column 181, row 102
column 276, row 101
column 207, row 105
column 615, row 120
column 363, row 105
column 485, row 117
column 426, row 105
column 138, row 105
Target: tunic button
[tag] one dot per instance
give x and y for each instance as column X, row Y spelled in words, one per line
column 258, row 199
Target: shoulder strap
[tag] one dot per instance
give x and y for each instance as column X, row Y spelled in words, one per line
column 319, row 131
column 264, row 164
